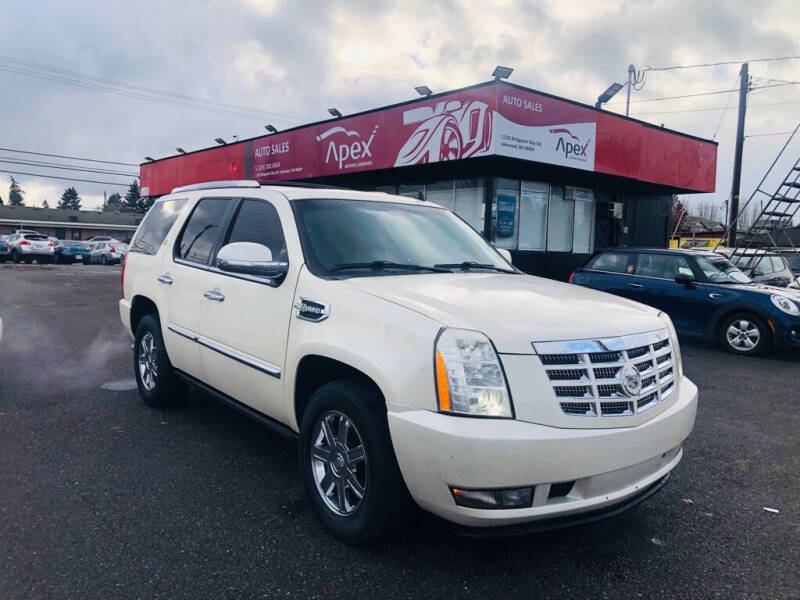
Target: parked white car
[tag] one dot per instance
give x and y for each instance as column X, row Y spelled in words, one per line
column 27, row 247
column 410, row 360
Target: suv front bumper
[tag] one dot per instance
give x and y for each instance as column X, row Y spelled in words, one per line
column 609, row 466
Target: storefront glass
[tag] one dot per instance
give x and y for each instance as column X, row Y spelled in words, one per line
column 469, row 202
column 533, row 215
column 506, row 209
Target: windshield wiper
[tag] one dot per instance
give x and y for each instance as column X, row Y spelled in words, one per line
column 471, row 264
column 379, row 265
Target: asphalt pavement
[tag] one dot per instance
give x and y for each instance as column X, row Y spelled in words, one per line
column 103, row 497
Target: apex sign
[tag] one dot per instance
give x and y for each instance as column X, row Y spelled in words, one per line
column 572, row 147
column 340, row 150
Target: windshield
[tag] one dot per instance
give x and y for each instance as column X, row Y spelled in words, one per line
column 794, row 262
column 720, row 270
column 363, row 237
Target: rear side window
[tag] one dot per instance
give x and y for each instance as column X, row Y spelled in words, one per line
column 257, row 221
column 156, row 226
column 202, row 230
column 613, row 262
column 663, row 266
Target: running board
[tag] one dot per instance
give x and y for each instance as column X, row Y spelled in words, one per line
column 247, row 411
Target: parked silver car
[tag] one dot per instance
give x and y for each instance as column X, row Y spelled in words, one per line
column 108, row 253
column 28, row 247
column 763, row 267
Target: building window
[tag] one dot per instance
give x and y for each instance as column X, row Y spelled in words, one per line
column 441, row 193
column 559, row 221
column 533, row 215
column 76, row 234
column 583, row 233
column 468, row 202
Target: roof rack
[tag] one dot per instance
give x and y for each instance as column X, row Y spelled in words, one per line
column 249, row 183
column 210, row 185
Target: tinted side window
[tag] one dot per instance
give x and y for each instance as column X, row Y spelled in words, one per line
column 257, row 221
column 663, row 266
column 615, row 262
column 761, row 265
column 202, row 230
column 778, row 264
column 156, row 225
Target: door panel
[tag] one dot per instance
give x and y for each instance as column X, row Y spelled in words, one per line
column 183, row 299
column 245, row 321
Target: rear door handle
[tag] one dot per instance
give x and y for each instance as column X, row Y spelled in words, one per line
column 165, row 279
column 635, row 285
column 214, row 295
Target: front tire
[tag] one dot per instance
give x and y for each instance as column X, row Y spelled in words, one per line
column 746, row 334
column 347, row 463
column 156, row 378
column 103, row 260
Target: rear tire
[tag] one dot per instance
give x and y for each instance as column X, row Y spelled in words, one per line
column 745, row 334
column 156, row 378
column 15, row 257
column 355, row 464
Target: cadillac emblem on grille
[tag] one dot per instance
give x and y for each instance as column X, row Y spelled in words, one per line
column 630, row 380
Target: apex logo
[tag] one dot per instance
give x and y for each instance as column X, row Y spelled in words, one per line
column 571, row 149
column 340, row 153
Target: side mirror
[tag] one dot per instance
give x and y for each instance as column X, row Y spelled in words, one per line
column 248, row 258
column 684, row 280
column 504, row 253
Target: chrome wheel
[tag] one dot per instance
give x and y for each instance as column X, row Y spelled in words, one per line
column 339, row 463
column 743, row 335
column 148, row 366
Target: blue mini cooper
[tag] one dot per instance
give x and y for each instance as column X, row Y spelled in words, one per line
column 703, row 293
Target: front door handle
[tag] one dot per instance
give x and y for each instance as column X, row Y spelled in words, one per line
column 214, row 295
column 714, row 295
column 165, row 279
column 635, row 285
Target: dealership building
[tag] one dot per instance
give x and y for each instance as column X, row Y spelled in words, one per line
column 545, row 177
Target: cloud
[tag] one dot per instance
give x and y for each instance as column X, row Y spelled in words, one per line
column 292, row 60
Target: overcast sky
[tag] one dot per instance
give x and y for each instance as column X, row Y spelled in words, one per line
column 289, row 61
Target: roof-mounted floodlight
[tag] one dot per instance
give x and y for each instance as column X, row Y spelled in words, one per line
column 502, row 72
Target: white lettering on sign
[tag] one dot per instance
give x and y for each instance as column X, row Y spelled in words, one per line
column 340, row 153
column 280, row 148
column 522, row 103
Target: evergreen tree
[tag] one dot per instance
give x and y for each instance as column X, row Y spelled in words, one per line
column 133, row 196
column 1, row 201
column 45, row 204
column 15, row 193
column 70, row 199
column 113, row 202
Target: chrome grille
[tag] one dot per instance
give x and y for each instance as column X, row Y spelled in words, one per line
column 586, row 373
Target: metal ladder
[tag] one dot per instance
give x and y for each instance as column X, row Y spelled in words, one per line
column 783, row 204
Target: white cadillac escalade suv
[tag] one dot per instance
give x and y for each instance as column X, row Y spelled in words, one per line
column 411, row 361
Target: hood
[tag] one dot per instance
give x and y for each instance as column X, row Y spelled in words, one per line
column 513, row 310
column 769, row 290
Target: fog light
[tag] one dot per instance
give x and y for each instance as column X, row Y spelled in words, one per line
column 507, row 498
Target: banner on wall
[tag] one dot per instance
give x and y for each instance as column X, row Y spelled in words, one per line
column 493, row 119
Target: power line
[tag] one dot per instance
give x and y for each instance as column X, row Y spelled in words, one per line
column 716, row 64
column 63, row 167
column 108, row 162
column 709, row 93
column 74, row 78
column 722, row 116
column 713, row 109
column 64, row 178
column 766, row 134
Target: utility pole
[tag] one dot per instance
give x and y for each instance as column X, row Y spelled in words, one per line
column 631, row 77
column 733, row 210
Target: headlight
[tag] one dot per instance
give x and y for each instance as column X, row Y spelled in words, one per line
column 785, row 304
column 469, row 377
column 676, row 349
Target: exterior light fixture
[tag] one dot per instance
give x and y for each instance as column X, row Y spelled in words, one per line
column 608, row 94
column 148, row 158
column 270, row 128
column 502, row 72
column 181, row 150
column 335, row 113
column 423, row 90
column 220, row 141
